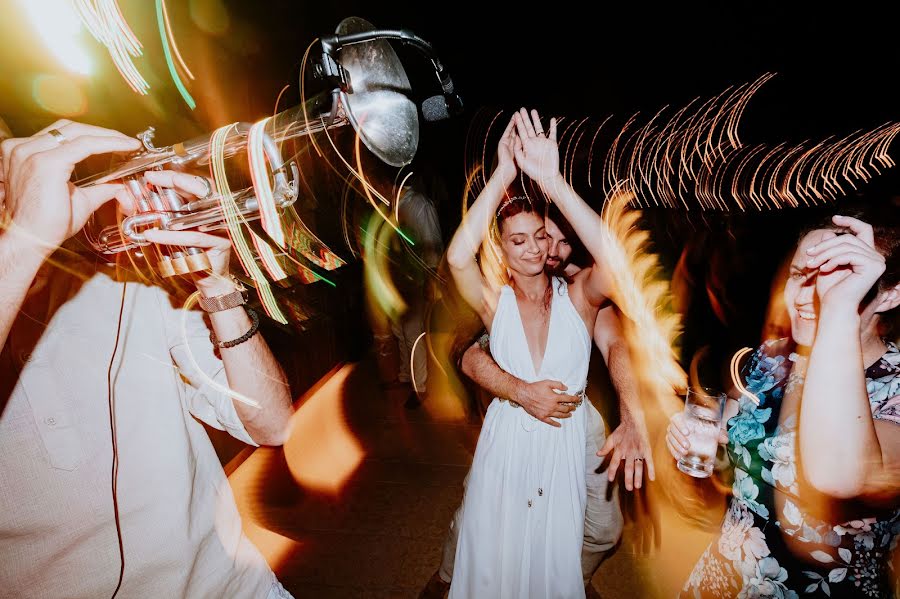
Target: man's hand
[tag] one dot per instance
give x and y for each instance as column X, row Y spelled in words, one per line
column 44, row 207
column 544, row 400
column 629, row 442
column 218, row 249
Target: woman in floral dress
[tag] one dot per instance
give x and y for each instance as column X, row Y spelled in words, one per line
column 815, row 490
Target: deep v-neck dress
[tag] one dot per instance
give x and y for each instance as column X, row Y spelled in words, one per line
column 523, row 517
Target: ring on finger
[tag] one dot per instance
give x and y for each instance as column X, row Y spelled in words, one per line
column 57, row 136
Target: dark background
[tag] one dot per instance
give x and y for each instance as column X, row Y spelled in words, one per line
column 836, row 73
column 837, row 67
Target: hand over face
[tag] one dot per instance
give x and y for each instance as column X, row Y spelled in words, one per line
column 849, row 265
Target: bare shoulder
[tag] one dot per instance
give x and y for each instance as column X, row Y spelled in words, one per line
column 586, row 309
column 578, row 280
column 578, row 289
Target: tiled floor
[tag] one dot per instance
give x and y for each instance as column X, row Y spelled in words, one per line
column 374, row 491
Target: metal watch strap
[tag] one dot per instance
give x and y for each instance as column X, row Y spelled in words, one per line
column 223, row 302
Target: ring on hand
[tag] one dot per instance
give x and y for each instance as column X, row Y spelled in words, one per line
column 539, row 133
column 638, row 459
column 57, row 136
column 209, row 190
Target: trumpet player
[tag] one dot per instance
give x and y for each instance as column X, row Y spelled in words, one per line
column 109, row 485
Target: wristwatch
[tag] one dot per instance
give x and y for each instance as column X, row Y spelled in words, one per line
column 217, row 303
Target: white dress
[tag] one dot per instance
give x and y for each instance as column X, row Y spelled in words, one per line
column 523, row 513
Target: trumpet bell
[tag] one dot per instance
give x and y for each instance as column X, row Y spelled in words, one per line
column 379, row 106
column 373, row 95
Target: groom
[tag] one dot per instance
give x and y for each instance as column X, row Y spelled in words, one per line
column 629, row 442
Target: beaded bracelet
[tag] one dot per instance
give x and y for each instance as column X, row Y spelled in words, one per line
column 253, row 330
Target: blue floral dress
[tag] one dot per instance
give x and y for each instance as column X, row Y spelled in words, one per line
column 750, row 558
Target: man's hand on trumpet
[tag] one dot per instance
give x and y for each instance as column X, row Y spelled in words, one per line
column 40, row 204
column 218, row 249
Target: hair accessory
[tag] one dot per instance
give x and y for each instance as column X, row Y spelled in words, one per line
column 509, row 201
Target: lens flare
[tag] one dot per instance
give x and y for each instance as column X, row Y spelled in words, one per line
column 210, row 16
column 235, row 230
column 736, row 374
column 59, row 95
column 59, row 28
column 104, row 19
column 170, row 48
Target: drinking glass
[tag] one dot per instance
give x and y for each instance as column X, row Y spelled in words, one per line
column 703, row 410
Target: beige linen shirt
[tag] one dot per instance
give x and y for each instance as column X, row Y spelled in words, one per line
column 180, row 526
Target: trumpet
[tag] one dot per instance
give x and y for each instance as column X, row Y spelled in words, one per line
column 371, row 93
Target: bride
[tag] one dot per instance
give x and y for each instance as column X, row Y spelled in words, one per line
column 523, row 516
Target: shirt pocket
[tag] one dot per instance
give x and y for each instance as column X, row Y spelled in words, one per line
column 55, row 418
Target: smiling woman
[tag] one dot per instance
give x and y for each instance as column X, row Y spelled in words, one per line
column 522, row 235
column 818, row 456
column 539, row 331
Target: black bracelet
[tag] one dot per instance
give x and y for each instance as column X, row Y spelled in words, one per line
column 253, row 330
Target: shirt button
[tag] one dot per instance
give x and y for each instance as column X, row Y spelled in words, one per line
column 50, row 421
